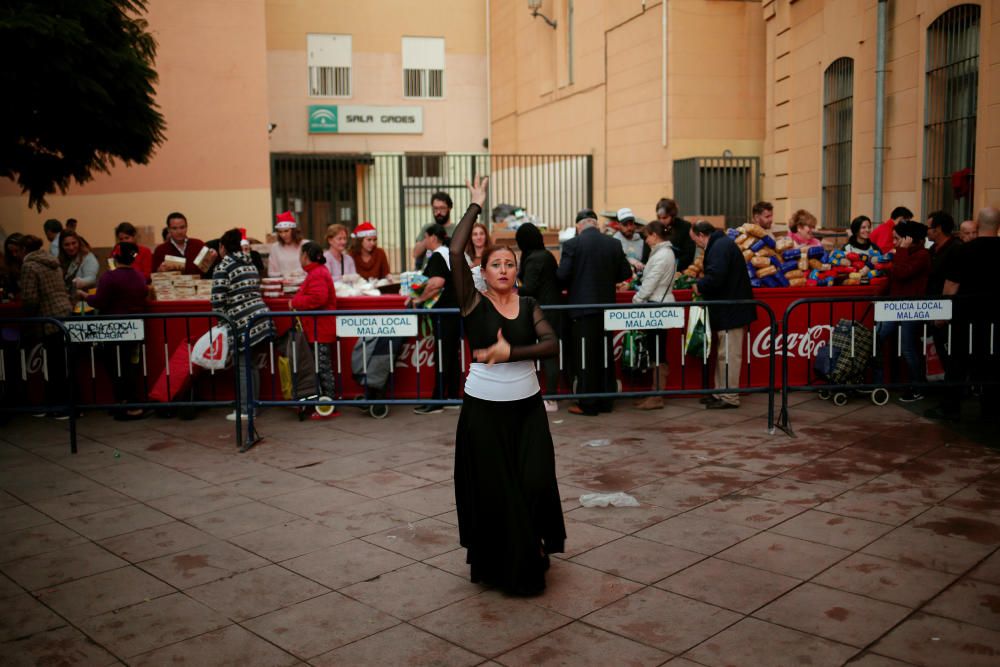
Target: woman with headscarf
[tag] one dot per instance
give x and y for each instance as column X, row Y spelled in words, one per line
column 538, row 280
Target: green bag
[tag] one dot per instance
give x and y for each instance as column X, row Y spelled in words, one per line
column 698, row 339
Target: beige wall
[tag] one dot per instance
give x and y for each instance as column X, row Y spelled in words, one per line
column 613, row 108
column 214, row 164
column 456, row 123
column 803, row 38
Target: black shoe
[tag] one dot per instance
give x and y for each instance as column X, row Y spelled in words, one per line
column 911, row 397
column 720, row 405
column 705, row 400
column 428, row 409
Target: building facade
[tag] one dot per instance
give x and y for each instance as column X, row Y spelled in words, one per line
column 663, row 93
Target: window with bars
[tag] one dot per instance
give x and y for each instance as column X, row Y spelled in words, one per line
column 838, row 125
column 952, row 94
column 329, row 65
column 423, row 67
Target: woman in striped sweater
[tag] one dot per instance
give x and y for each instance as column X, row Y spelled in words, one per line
column 236, row 294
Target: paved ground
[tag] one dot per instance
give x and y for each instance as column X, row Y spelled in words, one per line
column 870, row 539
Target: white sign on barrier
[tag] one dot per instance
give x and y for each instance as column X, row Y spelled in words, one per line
column 619, row 319
column 357, row 326
column 912, row 311
column 104, row 331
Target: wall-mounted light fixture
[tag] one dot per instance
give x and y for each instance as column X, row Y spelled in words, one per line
column 534, row 5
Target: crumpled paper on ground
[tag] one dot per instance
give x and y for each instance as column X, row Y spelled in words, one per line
column 602, row 442
column 619, row 499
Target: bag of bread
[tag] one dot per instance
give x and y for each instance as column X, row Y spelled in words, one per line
column 796, row 282
column 755, row 230
column 766, row 271
column 760, row 262
column 794, row 275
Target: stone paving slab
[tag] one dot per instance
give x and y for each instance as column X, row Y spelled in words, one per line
column 870, row 538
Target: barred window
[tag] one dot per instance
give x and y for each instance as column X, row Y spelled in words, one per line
column 950, row 111
column 423, row 67
column 838, row 125
column 329, row 65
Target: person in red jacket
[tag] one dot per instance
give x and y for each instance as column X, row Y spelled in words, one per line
column 881, row 236
column 911, row 268
column 317, row 293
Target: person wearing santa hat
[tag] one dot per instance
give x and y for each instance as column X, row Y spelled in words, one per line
column 283, row 254
column 369, row 260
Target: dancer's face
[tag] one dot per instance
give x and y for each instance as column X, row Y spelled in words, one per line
column 500, row 271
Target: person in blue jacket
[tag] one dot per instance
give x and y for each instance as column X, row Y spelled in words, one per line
column 725, row 278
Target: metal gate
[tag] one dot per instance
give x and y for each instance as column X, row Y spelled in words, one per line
column 727, row 186
column 393, row 190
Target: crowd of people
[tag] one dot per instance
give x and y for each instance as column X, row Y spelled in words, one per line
column 935, row 258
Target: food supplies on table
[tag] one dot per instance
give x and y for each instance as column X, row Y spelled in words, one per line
column 777, row 263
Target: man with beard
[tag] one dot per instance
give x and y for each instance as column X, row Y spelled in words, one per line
column 441, row 206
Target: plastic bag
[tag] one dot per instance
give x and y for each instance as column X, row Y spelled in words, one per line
column 619, row 499
column 212, row 350
column 635, row 351
column 698, row 339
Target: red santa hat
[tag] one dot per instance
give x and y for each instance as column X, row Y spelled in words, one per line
column 363, row 230
column 286, row 221
column 244, row 241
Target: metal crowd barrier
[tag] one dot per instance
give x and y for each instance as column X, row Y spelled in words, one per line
column 118, row 348
column 17, row 362
column 858, row 346
column 402, row 349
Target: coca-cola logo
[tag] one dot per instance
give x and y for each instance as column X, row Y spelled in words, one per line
column 805, row 345
column 416, row 353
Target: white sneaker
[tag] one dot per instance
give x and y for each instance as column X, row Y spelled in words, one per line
column 551, row 406
column 232, row 416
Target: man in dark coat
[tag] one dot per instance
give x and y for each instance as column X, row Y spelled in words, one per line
column 725, row 278
column 590, row 267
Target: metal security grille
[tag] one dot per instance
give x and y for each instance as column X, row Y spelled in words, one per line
column 330, row 81
column 393, row 191
column 950, row 111
column 423, row 83
column 320, row 189
column 838, row 125
column 726, row 186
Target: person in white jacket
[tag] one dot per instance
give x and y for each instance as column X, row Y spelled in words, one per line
column 657, row 287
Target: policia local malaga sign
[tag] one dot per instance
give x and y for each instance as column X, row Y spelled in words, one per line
column 343, row 119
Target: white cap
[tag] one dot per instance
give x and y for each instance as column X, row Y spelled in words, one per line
column 625, row 214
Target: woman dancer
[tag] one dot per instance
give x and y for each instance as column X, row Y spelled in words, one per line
column 509, row 514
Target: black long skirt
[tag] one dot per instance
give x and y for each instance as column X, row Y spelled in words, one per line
column 509, row 513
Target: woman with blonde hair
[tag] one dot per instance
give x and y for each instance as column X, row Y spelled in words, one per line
column 338, row 261
column 80, row 266
column 800, row 229
column 657, row 287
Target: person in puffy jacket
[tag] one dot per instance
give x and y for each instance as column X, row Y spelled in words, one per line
column 657, row 287
column 317, row 293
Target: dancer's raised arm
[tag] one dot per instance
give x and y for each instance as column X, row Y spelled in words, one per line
column 461, row 274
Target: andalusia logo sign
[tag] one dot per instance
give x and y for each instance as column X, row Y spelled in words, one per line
column 323, row 118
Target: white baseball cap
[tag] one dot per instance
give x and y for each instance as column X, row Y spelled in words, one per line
column 625, row 215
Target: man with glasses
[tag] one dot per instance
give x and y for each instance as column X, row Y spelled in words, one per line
column 441, row 206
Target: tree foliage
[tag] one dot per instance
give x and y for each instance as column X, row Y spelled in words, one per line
column 79, row 81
